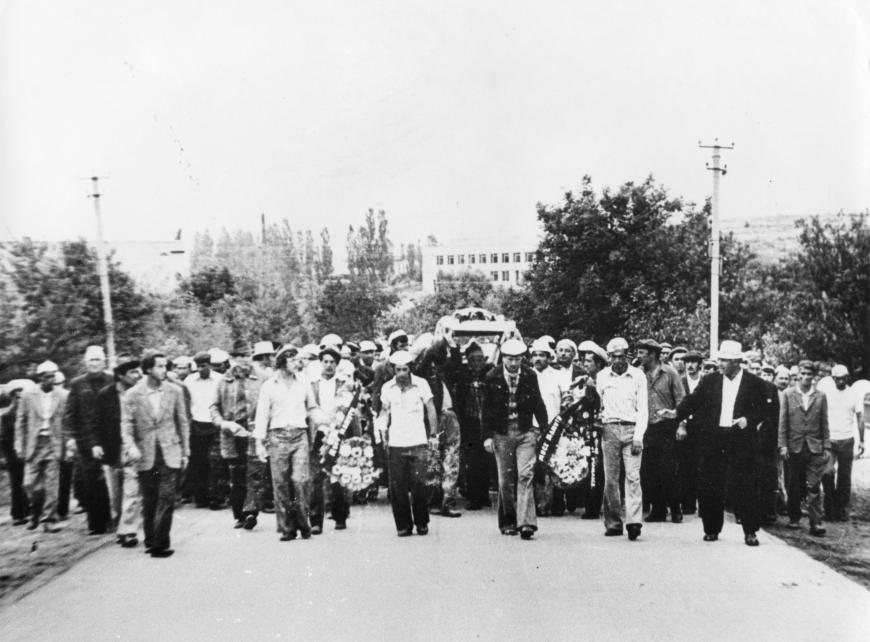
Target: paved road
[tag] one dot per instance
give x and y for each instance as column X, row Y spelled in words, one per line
column 464, row 581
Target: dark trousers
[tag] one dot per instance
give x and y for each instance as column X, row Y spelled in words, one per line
column 838, row 484
column 408, row 494
column 202, row 437
column 257, row 483
column 326, row 495
column 17, row 496
column 237, row 468
column 805, row 478
column 95, row 495
column 687, row 473
column 475, row 463
column 727, row 459
column 658, row 469
column 157, row 488
column 593, row 487
column 66, row 468
column 768, row 480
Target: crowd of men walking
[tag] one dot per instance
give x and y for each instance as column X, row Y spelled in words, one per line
column 249, row 429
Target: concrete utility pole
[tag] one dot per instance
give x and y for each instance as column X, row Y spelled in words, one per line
column 103, row 267
column 715, row 259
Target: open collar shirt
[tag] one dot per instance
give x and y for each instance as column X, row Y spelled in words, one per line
column 730, row 388
column 624, row 398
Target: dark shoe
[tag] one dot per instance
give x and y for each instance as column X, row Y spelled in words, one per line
column 250, row 522
column 633, row 531
column 33, row 524
column 613, row 532
column 306, row 534
column 557, row 513
column 422, row 530
column 590, row 516
column 677, row 518
column 130, row 541
column 446, row 512
column 405, row 532
column 793, row 525
column 240, row 523
column 97, row 531
column 20, row 521
column 509, row 531
column 818, row 531
column 340, row 526
column 526, row 532
column 711, row 537
column 751, row 540
column 317, row 529
column 288, row 537
column 656, row 517
column 473, row 506
column 161, row 552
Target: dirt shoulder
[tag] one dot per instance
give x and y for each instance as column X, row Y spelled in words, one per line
column 846, row 546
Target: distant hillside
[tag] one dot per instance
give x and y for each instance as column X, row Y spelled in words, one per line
column 771, row 237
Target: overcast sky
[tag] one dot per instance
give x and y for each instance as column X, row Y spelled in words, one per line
column 455, row 117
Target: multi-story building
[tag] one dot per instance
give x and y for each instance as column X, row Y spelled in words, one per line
column 504, row 261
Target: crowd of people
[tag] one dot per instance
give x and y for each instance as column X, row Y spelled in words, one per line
column 257, row 429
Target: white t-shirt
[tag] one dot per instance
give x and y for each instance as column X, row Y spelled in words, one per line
column 843, row 405
column 202, row 394
column 550, row 382
column 406, row 411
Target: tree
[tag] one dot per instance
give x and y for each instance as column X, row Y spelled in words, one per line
column 350, row 307
column 59, row 305
column 209, row 285
column 324, row 257
column 628, row 261
column 369, row 249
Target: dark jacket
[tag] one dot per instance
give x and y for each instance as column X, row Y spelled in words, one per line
column 495, row 402
column 798, row 426
column 107, row 424
column 78, row 418
column 705, row 404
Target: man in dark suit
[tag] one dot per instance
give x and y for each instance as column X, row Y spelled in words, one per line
column 687, row 438
column 729, row 405
column 804, row 441
column 511, row 398
column 155, row 436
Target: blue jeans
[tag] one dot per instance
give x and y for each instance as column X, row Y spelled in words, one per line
column 617, row 453
column 515, row 454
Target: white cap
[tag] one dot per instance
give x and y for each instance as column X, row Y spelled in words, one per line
column 541, row 345
column 46, row 366
column 513, row 348
column 396, row 334
column 59, row 377
column 594, row 348
column 401, row 358
column 309, row 351
column 367, row 346
column 263, row 347
column 566, row 343
column 94, row 352
column 617, row 344
column 218, row 356
column 730, row 350
column 331, row 340
column 182, row 361
column 839, row 370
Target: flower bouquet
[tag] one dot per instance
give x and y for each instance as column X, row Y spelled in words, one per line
column 354, row 468
column 570, row 461
column 433, row 465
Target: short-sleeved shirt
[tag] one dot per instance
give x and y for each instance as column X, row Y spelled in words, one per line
column 407, row 408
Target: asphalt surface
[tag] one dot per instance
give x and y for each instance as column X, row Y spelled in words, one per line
column 464, row 581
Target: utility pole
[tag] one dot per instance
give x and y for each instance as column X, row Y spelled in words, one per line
column 715, row 259
column 103, row 267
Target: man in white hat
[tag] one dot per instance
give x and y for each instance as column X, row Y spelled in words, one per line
column 79, row 419
column 728, row 407
column 281, row 429
column 512, row 402
column 39, row 442
column 624, row 410
column 406, row 407
column 385, row 371
column 550, row 385
column 845, row 415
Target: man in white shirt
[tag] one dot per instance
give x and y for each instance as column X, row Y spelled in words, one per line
column 550, row 384
column 624, row 415
column 405, row 400
column 281, row 429
column 200, row 482
column 845, row 414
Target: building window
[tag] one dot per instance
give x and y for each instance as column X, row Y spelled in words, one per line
column 461, row 259
column 439, row 260
column 516, row 257
column 505, row 257
column 449, row 259
column 493, row 258
column 483, row 258
column 471, row 258
column 517, row 276
column 530, row 256
column 494, row 276
column 506, row 275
